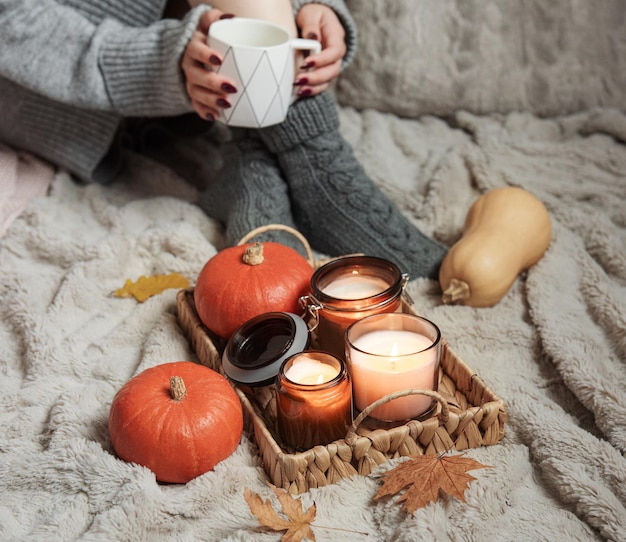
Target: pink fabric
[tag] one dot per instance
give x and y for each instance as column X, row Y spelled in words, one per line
column 23, row 177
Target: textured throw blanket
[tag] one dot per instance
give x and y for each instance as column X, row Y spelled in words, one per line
column 439, row 131
column 554, row 348
column 23, row 177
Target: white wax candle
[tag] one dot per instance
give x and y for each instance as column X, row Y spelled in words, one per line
column 355, row 286
column 307, row 370
column 388, row 361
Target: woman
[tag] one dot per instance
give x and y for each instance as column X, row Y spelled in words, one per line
column 72, row 71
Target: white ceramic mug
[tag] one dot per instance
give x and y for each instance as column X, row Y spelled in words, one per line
column 259, row 57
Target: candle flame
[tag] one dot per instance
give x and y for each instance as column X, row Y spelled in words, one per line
column 394, row 348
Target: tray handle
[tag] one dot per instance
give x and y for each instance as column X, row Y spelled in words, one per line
column 280, row 227
column 351, row 435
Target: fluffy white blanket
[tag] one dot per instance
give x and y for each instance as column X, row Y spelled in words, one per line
column 554, row 348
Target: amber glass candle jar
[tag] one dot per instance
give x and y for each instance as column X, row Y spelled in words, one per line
column 314, row 400
column 348, row 289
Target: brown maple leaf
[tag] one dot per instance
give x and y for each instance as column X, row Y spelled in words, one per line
column 425, row 476
column 297, row 526
column 146, row 287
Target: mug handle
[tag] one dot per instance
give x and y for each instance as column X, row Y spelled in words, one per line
column 306, row 45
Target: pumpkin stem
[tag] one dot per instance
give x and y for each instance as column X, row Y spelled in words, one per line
column 458, row 290
column 178, row 391
column 253, row 255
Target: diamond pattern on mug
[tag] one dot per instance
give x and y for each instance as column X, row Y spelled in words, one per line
column 261, row 97
column 240, row 113
column 276, row 111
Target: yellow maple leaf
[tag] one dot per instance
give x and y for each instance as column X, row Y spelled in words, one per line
column 425, row 476
column 297, row 526
column 146, row 287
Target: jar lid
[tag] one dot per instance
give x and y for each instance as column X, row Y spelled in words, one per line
column 255, row 352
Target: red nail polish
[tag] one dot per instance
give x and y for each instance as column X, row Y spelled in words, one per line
column 300, row 82
column 227, row 87
column 227, row 16
column 312, row 36
column 307, row 65
column 210, row 117
column 221, row 102
column 303, row 92
column 215, row 60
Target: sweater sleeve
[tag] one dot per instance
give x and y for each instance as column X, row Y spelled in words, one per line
column 60, row 53
column 340, row 8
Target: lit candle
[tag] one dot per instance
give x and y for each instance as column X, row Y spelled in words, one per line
column 314, row 400
column 348, row 289
column 389, row 353
column 305, row 369
column 355, row 286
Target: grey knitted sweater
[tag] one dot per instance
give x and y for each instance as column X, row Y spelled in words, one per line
column 71, row 70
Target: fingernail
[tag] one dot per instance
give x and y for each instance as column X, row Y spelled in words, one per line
column 307, row 65
column 210, row 117
column 227, row 87
column 300, row 82
column 215, row 60
column 221, row 102
column 305, row 92
column 312, row 36
column 227, row 16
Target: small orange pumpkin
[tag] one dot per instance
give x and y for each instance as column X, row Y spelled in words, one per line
column 179, row 419
column 242, row 282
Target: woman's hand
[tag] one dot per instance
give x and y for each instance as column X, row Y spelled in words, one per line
column 320, row 22
column 207, row 90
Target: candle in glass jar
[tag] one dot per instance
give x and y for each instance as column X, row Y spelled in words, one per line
column 348, row 289
column 307, row 370
column 388, row 358
column 314, row 400
column 355, row 286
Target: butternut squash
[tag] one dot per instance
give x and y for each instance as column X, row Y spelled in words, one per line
column 507, row 230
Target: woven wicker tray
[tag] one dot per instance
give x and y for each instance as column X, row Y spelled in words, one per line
column 468, row 415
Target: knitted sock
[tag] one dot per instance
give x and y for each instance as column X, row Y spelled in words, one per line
column 249, row 192
column 334, row 203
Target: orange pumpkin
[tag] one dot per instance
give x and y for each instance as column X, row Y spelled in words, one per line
column 179, row 419
column 241, row 282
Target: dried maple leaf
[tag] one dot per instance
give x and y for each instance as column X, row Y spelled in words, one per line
column 425, row 476
column 298, row 522
column 146, row 287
